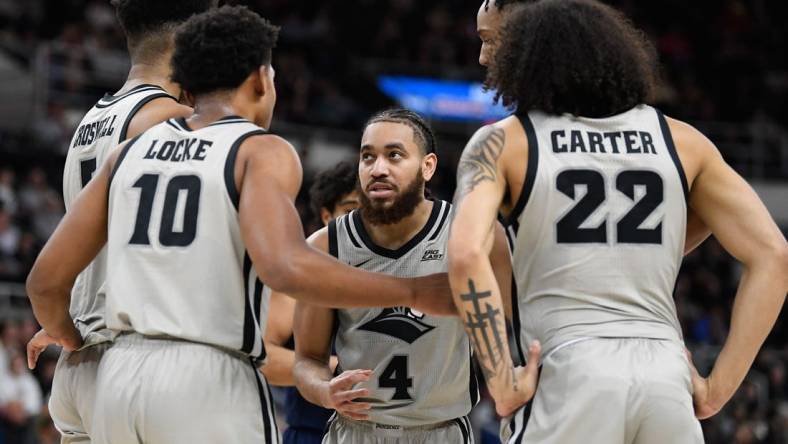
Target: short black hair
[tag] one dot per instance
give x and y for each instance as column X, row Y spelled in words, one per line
column 500, row 4
column 572, row 56
column 331, row 185
column 218, row 49
column 422, row 132
column 140, row 17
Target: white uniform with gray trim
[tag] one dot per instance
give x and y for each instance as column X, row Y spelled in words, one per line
column 598, row 238
column 73, row 387
column 182, row 295
column 423, row 385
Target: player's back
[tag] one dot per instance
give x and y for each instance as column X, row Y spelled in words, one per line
column 598, row 232
column 422, row 364
column 177, row 266
column 102, row 129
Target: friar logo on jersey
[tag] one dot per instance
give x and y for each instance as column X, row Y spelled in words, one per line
column 400, row 322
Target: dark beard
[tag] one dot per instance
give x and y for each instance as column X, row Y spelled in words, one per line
column 402, row 207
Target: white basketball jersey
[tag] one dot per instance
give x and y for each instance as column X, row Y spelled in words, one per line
column 177, row 266
column 102, row 129
column 598, row 232
column 421, row 363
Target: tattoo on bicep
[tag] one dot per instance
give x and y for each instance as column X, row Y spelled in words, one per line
column 482, row 324
column 479, row 161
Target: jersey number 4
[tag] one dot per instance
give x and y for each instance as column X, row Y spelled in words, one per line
column 396, row 376
column 188, row 185
column 568, row 229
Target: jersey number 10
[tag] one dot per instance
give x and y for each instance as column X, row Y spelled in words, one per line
column 168, row 237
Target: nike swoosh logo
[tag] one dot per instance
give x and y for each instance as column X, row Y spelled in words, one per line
column 361, row 263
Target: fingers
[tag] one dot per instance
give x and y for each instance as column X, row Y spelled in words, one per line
column 534, row 356
column 348, row 396
column 349, row 378
column 33, row 352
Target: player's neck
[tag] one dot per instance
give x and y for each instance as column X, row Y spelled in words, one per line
column 393, row 236
column 212, row 107
column 159, row 73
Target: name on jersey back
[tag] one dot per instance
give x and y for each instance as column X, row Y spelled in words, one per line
column 616, row 142
column 89, row 132
column 180, row 151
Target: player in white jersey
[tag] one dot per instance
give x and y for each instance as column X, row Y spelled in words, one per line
column 595, row 187
column 147, row 98
column 404, row 377
column 192, row 212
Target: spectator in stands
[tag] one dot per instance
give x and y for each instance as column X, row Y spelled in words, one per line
column 7, row 194
column 20, row 399
column 10, row 237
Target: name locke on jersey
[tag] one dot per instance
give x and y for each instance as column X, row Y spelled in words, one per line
column 180, row 151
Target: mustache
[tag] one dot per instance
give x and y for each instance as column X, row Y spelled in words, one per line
column 381, row 182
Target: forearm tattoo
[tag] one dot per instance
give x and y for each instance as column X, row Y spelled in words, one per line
column 479, row 161
column 482, row 323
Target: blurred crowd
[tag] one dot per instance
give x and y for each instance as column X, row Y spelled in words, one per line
column 723, row 60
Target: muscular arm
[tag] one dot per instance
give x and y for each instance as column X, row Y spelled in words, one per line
column 477, row 294
column 278, row 368
column 79, row 237
column 268, row 174
column 697, row 232
column 742, row 224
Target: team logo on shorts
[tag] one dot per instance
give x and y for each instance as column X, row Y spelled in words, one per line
column 400, row 322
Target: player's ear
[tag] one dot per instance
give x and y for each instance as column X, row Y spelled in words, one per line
column 428, row 166
column 266, row 78
column 258, row 80
column 325, row 216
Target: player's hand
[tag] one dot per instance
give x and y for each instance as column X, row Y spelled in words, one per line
column 524, row 387
column 705, row 406
column 341, row 396
column 432, row 295
column 40, row 341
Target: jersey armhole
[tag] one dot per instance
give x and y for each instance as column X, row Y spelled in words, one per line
column 120, row 158
column 229, row 167
column 530, row 174
column 333, row 246
column 668, row 136
column 125, row 128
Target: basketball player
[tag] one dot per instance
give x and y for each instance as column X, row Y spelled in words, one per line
column 333, row 194
column 193, row 211
column 489, row 20
column 596, row 186
column 406, row 377
column 147, row 98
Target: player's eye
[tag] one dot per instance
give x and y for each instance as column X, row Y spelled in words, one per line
column 395, row 155
column 366, row 157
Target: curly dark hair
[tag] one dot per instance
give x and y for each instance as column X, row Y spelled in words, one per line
column 422, row 131
column 331, row 185
column 139, row 17
column 218, row 49
column 572, row 56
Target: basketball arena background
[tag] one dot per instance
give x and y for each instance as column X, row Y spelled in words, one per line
column 725, row 70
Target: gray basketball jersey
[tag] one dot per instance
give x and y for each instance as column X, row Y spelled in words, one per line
column 102, row 129
column 598, row 232
column 177, row 266
column 422, row 364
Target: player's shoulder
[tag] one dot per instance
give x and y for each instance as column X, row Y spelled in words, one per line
column 320, row 239
column 154, row 112
column 688, row 138
column 261, row 144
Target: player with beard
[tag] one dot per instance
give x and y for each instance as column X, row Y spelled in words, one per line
column 402, row 377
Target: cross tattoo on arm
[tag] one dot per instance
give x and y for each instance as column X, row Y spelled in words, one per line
column 479, row 322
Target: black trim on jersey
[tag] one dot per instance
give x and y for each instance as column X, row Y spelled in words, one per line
column 119, row 160
column 333, row 247
column 137, row 107
column 516, row 326
column 109, row 99
column 229, row 166
column 349, row 228
column 473, row 383
column 530, row 172
column 442, row 221
column 249, row 330
column 267, row 413
column 463, row 429
column 666, row 134
column 401, row 251
column 181, row 121
column 172, row 124
column 258, row 301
